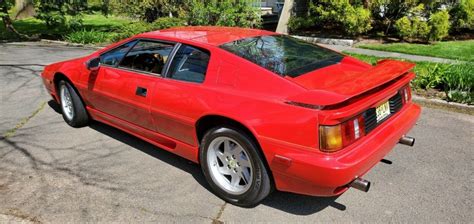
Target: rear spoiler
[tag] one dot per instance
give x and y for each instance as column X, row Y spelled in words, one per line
column 380, row 74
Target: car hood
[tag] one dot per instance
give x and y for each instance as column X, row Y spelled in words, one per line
column 71, row 62
column 349, row 78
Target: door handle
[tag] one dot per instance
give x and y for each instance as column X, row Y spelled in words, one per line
column 141, row 91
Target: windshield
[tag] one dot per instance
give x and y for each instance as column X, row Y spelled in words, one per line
column 283, row 55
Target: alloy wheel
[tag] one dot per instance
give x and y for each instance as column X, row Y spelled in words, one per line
column 66, row 102
column 229, row 165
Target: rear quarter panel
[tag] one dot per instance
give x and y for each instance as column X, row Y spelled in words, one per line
column 256, row 97
column 239, row 90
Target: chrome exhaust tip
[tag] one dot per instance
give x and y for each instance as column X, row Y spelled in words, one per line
column 407, row 140
column 360, row 184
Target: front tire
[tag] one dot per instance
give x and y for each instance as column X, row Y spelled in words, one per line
column 233, row 166
column 72, row 108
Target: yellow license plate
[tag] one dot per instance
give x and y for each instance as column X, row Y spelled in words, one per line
column 382, row 111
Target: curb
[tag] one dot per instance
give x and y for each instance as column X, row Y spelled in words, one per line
column 441, row 104
column 329, row 41
column 65, row 43
column 52, row 43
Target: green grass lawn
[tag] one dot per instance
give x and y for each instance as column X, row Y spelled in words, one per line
column 456, row 80
column 96, row 22
column 458, row 50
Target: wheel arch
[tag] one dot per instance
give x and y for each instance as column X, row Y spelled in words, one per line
column 58, row 76
column 209, row 121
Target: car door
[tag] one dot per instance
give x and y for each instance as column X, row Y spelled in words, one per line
column 178, row 100
column 125, row 82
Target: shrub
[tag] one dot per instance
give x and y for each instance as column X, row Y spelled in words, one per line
column 421, row 29
column 429, row 75
column 357, row 22
column 52, row 19
column 386, row 12
column 439, row 23
column 147, row 10
column 462, row 15
column 299, row 23
column 351, row 18
column 130, row 30
column 238, row 13
column 75, row 22
column 414, row 24
column 198, row 14
column 412, row 28
column 458, row 83
column 142, row 27
column 223, row 13
column 54, row 12
column 403, row 25
column 456, row 80
column 88, row 37
column 167, row 22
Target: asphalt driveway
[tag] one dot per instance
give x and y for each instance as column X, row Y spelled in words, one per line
column 52, row 173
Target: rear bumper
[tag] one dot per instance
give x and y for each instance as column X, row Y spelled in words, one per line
column 317, row 174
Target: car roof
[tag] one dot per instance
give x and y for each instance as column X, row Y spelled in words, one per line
column 213, row 35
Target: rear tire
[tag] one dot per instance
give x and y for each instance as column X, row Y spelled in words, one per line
column 72, row 108
column 233, row 166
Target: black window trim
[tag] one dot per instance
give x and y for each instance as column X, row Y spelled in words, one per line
column 173, row 53
column 171, row 58
column 165, row 68
column 115, row 66
column 165, row 71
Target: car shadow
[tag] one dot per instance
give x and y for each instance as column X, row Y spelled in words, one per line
column 288, row 202
column 55, row 106
column 298, row 204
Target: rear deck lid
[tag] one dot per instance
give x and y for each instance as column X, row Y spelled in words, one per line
column 347, row 79
column 329, row 77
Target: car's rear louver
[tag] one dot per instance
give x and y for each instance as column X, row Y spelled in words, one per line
column 370, row 118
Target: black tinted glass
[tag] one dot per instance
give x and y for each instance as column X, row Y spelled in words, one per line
column 148, row 56
column 189, row 64
column 283, row 55
column 114, row 56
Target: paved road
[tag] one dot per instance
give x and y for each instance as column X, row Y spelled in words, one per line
column 51, row 173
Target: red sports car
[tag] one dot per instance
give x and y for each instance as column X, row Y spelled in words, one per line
column 258, row 110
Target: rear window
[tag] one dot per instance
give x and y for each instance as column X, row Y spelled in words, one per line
column 282, row 54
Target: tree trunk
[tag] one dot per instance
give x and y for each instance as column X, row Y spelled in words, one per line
column 8, row 23
column 286, row 12
column 366, row 4
column 24, row 9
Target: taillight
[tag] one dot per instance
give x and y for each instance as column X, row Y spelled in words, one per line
column 405, row 92
column 330, row 138
column 335, row 137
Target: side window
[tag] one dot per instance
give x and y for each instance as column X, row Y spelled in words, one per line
column 147, row 56
column 189, row 64
column 114, row 56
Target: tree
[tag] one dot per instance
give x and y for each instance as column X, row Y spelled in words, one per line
column 54, row 12
column 462, row 15
column 24, row 9
column 222, row 13
column 386, row 12
column 148, row 10
column 351, row 18
column 5, row 5
column 282, row 26
column 439, row 22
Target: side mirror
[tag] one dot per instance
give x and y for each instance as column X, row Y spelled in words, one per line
column 93, row 64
